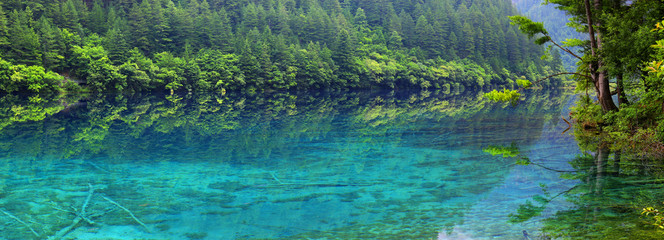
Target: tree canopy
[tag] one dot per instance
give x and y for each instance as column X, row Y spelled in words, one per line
column 213, row 45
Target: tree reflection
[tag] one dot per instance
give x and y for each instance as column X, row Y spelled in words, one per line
column 379, row 162
column 613, row 188
column 91, row 125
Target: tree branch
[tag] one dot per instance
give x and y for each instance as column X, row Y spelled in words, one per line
column 19, row 220
column 562, row 48
column 558, row 74
column 127, row 210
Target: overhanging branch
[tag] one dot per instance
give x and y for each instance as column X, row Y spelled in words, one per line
column 558, row 74
column 563, row 48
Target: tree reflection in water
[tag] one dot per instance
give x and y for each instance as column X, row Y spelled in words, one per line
column 613, row 187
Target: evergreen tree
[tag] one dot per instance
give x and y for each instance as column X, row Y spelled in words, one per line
column 424, row 34
column 182, row 25
column 52, row 47
column 395, row 41
column 24, row 45
column 220, row 33
column 282, row 19
column 408, row 26
column 139, row 25
column 468, row 43
column 117, row 46
column 4, row 40
column 98, row 21
column 343, row 57
column 68, row 16
column 275, row 43
column 160, row 28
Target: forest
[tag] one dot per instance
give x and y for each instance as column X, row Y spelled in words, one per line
column 260, row 45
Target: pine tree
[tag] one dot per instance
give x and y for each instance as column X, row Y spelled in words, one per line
column 24, row 45
column 282, row 19
column 408, row 26
column 250, row 17
column 98, row 21
column 68, row 16
column 52, row 46
column 467, row 48
column 424, row 35
column 139, row 25
column 344, row 57
column 116, row 45
column 513, row 50
column 220, row 31
column 394, row 24
column 395, row 41
column 4, row 41
column 453, row 42
column 160, row 29
column 81, row 8
column 182, row 26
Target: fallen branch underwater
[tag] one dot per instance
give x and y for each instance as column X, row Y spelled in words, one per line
column 81, row 215
column 127, row 210
column 19, row 220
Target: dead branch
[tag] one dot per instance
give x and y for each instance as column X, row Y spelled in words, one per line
column 80, row 215
column 19, row 220
column 127, row 210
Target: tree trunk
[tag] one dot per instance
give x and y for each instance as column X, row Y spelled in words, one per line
column 620, row 90
column 600, row 77
column 604, row 94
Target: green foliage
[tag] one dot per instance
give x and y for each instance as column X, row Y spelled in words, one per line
column 511, row 96
column 269, row 45
column 93, row 64
column 528, row 210
column 573, row 42
column 637, row 127
column 531, row 28
column 523, row 83
column 21, row 78
column 656, row 215
column 510, row 151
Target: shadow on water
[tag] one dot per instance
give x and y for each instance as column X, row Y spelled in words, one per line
column 367, row 165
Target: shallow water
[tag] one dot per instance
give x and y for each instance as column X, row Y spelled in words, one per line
column 354, row 165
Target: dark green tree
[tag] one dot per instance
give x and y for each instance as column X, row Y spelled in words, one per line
column 24, row 42
column 52, row 46
column 97, row 18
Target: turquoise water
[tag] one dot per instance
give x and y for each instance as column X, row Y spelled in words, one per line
column 354, row 165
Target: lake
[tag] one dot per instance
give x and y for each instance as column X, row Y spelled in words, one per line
column 327, row 165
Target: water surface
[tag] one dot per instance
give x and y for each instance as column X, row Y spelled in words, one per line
column 351, row 165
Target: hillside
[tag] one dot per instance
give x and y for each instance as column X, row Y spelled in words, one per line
column 133, row 45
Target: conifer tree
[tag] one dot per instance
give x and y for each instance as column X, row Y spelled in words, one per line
column 425, row 36
column 24, row 45
column 115, row 42
column 97, row 21
column 52, row 47
column 408, row 26
column 468, row 43
column 68, row 16
column 139, row 25
column 4, row 41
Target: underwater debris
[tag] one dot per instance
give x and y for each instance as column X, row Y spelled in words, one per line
column 82, row 215
column 20, row 221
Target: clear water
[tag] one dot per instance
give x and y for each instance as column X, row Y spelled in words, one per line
column 353, row 165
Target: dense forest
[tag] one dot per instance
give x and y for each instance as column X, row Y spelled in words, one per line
column 256, row 45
